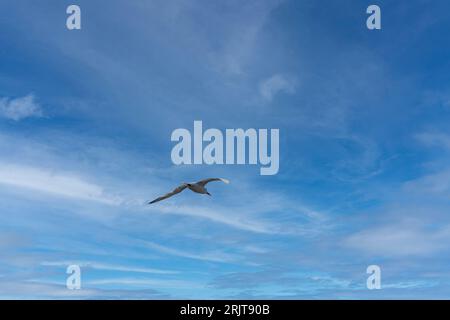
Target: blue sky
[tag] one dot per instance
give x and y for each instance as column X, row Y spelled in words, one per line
column 85, row 124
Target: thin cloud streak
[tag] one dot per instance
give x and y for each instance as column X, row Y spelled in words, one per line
column 102, row 266
column 55, row 183
column 158, row 283
column 210, row 256
column 214, row 216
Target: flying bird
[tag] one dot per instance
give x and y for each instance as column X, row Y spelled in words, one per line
column 198, row 187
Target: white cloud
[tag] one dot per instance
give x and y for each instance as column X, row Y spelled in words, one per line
column 103, row 266
column 415, row 221
column 250, row 218
column 434, row 139
column 241, row 39
column 212, row 256
column 19, row 108
column 60, row 184
column 232, row 221
column 436, row 183
column 400, row 239
column 276, row 84
column 409, row 284
column 34, row 289
column 160, row 283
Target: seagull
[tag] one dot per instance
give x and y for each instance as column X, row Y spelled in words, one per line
column 198, row 187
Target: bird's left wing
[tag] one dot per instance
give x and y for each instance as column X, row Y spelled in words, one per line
column 205, row 181
column 168, row 195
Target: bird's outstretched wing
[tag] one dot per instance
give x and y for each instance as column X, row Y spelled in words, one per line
column 168, row 195
column 205, row 181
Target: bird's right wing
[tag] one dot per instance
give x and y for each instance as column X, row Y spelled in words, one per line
column 168, row 195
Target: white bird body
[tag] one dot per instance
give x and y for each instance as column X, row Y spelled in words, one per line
column 197, row 187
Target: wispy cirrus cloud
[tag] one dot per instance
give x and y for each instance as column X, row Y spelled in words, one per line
column 434, row 139
column 159, row 283
column 276, row 84
column 216, row 256
column 20, row 108
column 241, row 223
column 290, row 219
column 33, row 289
column 54, row 182
column 105, row 266
column 400, row 240
column 414, row 221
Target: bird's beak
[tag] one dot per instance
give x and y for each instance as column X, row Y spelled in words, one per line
column 209, row 194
